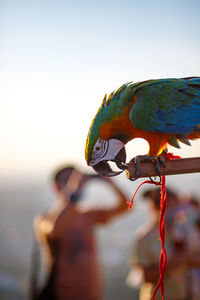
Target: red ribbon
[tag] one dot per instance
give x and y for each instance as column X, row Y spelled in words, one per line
column 163, row 255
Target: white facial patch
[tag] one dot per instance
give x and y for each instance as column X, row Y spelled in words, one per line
column 105, row 150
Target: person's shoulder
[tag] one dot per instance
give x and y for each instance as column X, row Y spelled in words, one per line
column 39, row 218
column 43, row 223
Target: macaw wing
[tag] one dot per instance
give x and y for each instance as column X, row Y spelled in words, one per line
column 168, row 105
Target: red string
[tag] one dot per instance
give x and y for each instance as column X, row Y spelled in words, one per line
column 171, row 156
column 163, row 255
column 130, row 203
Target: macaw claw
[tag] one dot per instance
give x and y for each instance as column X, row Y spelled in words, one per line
column 157, row 161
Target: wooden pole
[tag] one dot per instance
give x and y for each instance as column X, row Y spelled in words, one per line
column 172, row 167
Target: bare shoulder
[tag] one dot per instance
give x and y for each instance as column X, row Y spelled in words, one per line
column 43, row 224
column 38, row 219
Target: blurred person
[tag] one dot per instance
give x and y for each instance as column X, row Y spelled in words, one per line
column 66, row 235
column 181, row 246
column 193, row 213
column 196, row 261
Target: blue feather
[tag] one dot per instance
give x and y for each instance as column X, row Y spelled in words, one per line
column 181, row 120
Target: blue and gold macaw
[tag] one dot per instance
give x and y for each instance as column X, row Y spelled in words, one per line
column 163, row 111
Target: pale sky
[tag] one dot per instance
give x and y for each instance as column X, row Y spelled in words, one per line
column 59, row 58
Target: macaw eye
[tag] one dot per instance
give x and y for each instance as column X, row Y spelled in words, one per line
column 100, row 149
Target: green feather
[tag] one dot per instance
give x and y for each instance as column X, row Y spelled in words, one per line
column 110, row 108
column 154, row 97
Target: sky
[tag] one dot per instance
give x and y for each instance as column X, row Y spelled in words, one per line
column 59, row 58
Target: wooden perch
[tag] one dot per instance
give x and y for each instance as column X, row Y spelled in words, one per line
column 172, row 167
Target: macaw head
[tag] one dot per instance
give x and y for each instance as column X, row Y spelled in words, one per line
column 104, row 151
column 99, row 151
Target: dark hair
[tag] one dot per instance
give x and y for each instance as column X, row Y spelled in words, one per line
column 154, row 195
column 62, row 174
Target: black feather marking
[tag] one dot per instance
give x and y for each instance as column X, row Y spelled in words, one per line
column 188, row 78
column 185, row 92
column 183, row 139
column 195, row 86
column 118, row 93
column 173, row 142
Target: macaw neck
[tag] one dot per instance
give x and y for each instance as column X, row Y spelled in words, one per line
column 119, row 128
column 122, row 129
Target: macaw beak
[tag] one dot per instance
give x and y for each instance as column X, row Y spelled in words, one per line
column 103, row 168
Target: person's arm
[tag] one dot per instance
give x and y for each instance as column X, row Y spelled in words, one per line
column 122, row 198
column 37, row 224
column 42, row 227
column 36, row 258
column 104, row 216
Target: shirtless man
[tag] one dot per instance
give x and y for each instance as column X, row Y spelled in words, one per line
column 67, row 236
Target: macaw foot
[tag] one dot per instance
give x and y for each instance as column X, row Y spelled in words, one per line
column 157, row 161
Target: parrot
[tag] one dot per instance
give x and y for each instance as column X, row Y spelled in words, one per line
column 161, row 111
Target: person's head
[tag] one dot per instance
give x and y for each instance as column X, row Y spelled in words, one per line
column 62, row 175
column 67, row 180
column 154, row 196
column 195, row 203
